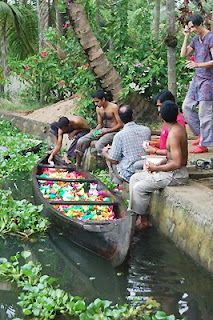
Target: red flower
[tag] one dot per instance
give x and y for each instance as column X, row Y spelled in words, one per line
column 65, row 26
column 26, row 67
column 61, row 83
column 86, row 66
column 192, row 58
column 43, row 54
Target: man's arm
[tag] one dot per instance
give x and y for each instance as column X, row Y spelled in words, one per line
column 207, row 64
column 185, row 49
column 105, row 154
column 175, row 161
column 99, row 120
column 58, row 145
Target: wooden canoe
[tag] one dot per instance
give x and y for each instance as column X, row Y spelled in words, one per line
column 109, row 239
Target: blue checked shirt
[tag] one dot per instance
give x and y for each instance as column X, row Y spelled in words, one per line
column 127, row 145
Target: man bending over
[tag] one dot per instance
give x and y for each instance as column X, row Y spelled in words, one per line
column 75, row 127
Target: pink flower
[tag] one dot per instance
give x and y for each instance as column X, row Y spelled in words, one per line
column 65, row 26
column 61, row 83
column 70, row 84
column 43, row 54
column 86, row 66
column 19, row 75
column 26, row 67
column 192, row 58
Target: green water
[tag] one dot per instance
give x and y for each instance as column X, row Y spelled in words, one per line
column 155, row 267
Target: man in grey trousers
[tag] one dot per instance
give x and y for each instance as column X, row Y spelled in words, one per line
column 171, row 171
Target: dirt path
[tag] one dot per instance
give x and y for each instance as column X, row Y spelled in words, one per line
column 53, row 112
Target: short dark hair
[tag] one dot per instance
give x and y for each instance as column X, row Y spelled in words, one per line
column 125, row 113
column 63, row 122
column 169, row 111
column 196, row 19
column 163, row 96
column 100, row 94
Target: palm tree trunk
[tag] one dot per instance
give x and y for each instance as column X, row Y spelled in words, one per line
column 109, row 78
column 43, row 20
column 3, row 54
column 171, row 42
column 157, row 17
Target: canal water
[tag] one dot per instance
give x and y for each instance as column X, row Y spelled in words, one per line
column 155, row 267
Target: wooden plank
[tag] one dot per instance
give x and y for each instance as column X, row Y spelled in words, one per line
column 64, row 180
column 86, row 203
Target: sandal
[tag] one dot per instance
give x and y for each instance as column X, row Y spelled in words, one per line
column 199, row 149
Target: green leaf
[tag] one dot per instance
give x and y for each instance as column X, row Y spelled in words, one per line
column 160, row 315
column 25, row 254
column 80, row 305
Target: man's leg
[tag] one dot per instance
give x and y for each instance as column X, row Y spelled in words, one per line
column 71, row 151
column 191, row 116
column 82, row 144
column 104, row 141
column 113, row 173
column 206, row 123
column 141, row 186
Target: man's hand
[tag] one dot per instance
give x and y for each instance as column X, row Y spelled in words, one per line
column 149, row 149
column 50, row 160
column 105, row 150
column 151, row 167
column 99, row 135
column 191, row 65
column 186, row 31
column 66, row 159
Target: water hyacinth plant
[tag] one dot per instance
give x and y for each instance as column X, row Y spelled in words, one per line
column 41, row 300
column 20, row 217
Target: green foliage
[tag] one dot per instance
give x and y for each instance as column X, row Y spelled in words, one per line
column 49, row 78
column 12, row 157
column 20, row 217
column 103, row 176
column 21, row 28
column 40, row 300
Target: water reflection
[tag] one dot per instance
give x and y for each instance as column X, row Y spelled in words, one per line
column 159, row 269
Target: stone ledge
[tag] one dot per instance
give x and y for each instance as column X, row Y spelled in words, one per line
column 32, row 127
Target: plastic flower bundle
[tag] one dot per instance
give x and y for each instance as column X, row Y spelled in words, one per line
column 87, row 212
column 70, row 191
column 61, row 174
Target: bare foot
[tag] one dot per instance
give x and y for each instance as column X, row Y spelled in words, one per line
column 142, row 222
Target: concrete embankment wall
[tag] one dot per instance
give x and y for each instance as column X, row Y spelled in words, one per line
column 185, row 215
column 32, row 127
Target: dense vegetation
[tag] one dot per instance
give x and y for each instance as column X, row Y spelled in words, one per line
column 126, row 32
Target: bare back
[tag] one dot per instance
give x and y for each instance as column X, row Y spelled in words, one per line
column 177, row 145
column 77, row 122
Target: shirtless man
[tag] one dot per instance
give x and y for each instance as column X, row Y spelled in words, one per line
column 75, row 127
column 171, row 171
column 109, row 123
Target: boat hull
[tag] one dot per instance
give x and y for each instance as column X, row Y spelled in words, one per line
column 108, row 239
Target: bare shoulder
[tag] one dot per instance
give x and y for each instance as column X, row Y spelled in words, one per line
column 113, row 106
column 177, row 132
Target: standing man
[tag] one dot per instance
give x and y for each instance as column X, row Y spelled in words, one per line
column 171, row 171
column 109, row 123
column 201, row 88
column 127, row 147
column 75, row 127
